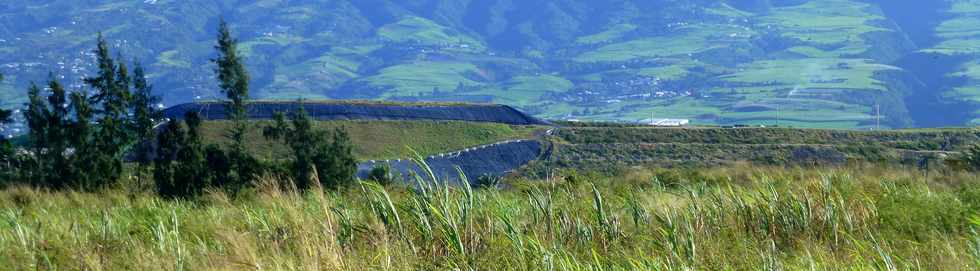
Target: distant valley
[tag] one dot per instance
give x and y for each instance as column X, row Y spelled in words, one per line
column 818, row 63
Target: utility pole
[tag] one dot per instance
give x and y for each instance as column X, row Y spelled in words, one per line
column 877, row 116
column 778, row 119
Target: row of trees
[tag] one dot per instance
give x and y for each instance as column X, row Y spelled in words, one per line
column 81, row 140
column 6, row 148
column 78, row 139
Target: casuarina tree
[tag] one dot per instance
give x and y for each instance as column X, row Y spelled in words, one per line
column 112, row 97
column 330, row 158
column 233, row 81
column 169, row 144
column 145, row 118
column 6, row 148
column 48, row 119
column 299, row 135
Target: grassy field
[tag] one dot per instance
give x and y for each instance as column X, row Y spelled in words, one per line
column 688, row 39
column 423, row 77
column 613, row 33
column 828, row 22
column 424, row 31
column 525, row 90
column 737, row 218
column 376, row 140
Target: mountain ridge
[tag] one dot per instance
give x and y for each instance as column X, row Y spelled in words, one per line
column 817, row 63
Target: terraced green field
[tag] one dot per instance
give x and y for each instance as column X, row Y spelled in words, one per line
column 960, row 35
column 825, row 63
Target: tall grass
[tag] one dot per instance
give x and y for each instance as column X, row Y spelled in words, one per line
column 726, row 218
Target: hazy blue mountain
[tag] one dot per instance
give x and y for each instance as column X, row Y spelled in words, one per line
column 817, row 63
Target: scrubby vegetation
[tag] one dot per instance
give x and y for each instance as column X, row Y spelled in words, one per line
column 606, row 147
column 923, row 139
column 739, row 218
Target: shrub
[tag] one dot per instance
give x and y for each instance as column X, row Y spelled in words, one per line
column 487, row 181
column 913, row 211
column 667, row 178
column 573, row 176
column 382, row 174
column 969, row 160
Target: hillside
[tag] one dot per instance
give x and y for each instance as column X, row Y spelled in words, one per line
column 816, row 63
column 618, row 147
column 377, row 140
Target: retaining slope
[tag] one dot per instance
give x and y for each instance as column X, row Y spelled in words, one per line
column 495, row 160
column 366, row 111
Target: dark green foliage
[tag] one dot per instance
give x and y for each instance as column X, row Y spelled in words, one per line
column 218, row 165
column 112, row 98
column 336, row 165
column 145, row 117
column 968, row 160
column 68, row 151
column 83, row 139
column 304, row 142
column 192, row 174
column 382, row 174
column 331, row 159
column 487, row 181
column 169, row 144
column 233, row 80
column 58, row 140
column 232, row 77
column 36, row 116
column 6, row 148
column 182, row 167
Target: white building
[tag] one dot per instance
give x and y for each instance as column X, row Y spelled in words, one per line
column 667, row 122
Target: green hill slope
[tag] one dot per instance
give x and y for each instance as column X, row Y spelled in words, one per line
column 816, row 63
column 380, row 140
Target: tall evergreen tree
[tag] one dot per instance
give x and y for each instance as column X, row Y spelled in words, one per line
column 302, row 140
column 112, row 97
column 82, row 141
column 59, row 136
column 233, row 81
column 332, row 159
column 232, row 75
column 6, row 148
column 145, row 117
column 192, row 175
column 169, row 144
column 339, row 166
column 36, row 116
column 49, row 120
column 182, row 164
column 5, row 115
